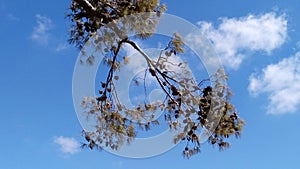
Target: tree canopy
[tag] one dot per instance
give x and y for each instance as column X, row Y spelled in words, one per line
column 190, row 106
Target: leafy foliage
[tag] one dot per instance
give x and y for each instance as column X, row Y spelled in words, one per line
column 88, row 16
column 190, row 107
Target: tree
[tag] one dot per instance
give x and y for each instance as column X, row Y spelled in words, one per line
column 189, row 105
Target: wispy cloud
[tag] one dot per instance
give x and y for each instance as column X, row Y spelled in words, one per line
column 67, row 145
column 118, row 165
column 235, row 36
column 40, row 32
column 61, row 47
column 12, row 17
column 281, row 82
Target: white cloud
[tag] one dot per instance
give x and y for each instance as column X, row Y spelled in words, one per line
column 67, row 145
column 129, row 50
column 61, row 47
column 281, row 81
column 137, row 62
column 234, row 36
column 40, row 33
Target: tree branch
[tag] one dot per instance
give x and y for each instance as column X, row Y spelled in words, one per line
column 149, row 61
column 150, row 65
column 86, row 4
column 111, row 70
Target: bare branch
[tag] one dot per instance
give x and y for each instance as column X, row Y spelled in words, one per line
column 86, row 4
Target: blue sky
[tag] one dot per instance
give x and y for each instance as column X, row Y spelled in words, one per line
column 258, row 41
